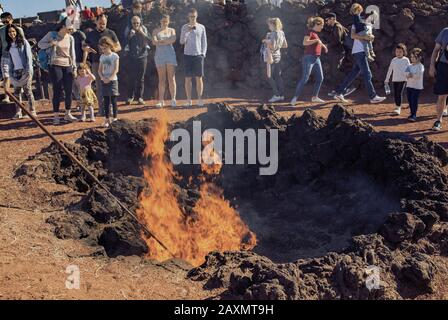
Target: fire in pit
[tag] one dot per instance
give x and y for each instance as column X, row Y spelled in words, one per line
column 212, row 224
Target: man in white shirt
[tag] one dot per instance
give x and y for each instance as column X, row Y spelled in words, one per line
column 360, row 66
column 194, row 39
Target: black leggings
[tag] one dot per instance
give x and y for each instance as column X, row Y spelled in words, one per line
column 398, row 92
column 61, row 79
column 107, row 101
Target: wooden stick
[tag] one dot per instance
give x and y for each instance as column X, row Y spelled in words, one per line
column 87, row 171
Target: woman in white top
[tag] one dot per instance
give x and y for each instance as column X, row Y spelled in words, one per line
column 165, row 59
column 397, row 70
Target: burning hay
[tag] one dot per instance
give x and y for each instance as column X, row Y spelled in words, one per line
column 347, row 201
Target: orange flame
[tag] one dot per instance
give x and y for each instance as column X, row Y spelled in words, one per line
column 215, row 225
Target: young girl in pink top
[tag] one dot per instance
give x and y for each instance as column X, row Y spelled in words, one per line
column 88, row 97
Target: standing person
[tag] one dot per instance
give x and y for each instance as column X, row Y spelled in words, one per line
column 88, row 98
column 62, row 64
column 360, row 66
column 5, row 61
column 138, row 54
column 80, row 39
column 136, row 11
column 21, row 67
column 91, row 47
column 311, row 59
column 439, row 69
column 275, row 41
column 194, row 39
column 414, row 84
column 397, row 69
column 108, row 71
column 336, row 34
column 165, row 59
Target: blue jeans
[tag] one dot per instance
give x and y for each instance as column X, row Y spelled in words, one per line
column 361, row 65
column 310, row 64
column 276, row 79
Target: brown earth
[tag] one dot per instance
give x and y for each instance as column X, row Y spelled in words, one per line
column 33, row 261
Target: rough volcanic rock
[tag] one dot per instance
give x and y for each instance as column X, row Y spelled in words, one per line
column 351, row 213
column 122, row 239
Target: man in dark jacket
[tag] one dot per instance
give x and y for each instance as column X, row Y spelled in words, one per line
column 335, row 35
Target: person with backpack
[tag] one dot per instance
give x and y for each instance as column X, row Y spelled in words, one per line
column 5, row 60
column 275, row 41
column 62, row 66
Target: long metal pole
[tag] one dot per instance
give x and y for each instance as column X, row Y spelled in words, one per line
column 87, row 171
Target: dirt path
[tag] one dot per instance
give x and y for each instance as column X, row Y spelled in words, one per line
column 33, row 261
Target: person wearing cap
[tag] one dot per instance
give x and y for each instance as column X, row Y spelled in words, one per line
column 334, row 35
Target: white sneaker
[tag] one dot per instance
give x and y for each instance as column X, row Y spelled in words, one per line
column 340, row 97
column 141, row 101
column 173, row 103
column 114, row 119
column 377, row 99
column 92, row 114
column 317, row 99
column 397, row 111
column 34, row 113
column 293, row 101
column 106, row 123
column 83, row 115
column 275, row 99
column 69, row 117
column 189, row 103
column 200, row 103
column 18, row 115
column 159, row 104
column 6, row 100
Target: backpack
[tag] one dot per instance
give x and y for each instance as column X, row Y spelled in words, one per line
column 43, row 56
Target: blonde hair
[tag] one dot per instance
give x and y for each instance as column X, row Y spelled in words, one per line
column 276, row 23
column 84, row 66
column 313, row 21
column 356, row 9
column 106, row 41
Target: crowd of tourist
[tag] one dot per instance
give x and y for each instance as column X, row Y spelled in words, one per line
column 79, row 62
